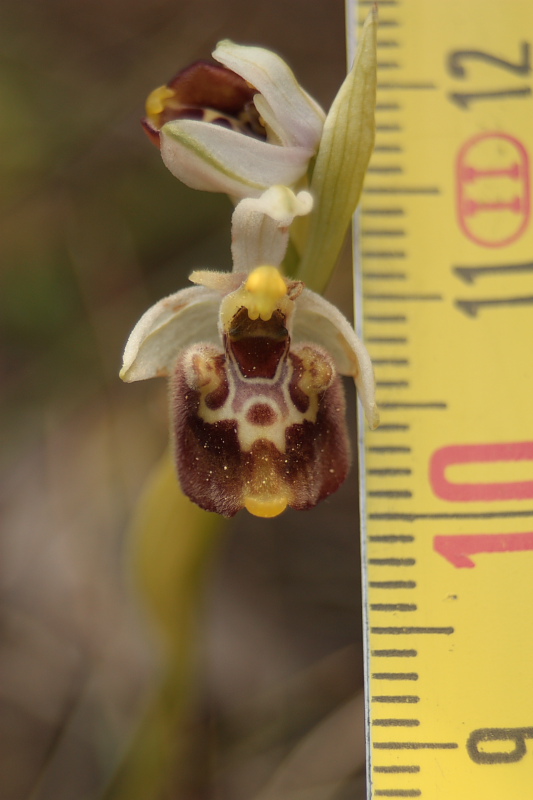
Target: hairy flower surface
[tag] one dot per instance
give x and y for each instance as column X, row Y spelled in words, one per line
column 238, row 126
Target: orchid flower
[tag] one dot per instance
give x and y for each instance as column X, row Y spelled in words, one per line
column 198, row 120
column 253, row 359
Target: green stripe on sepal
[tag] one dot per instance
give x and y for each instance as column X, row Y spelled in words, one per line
column 343, row 156
column 204, row 154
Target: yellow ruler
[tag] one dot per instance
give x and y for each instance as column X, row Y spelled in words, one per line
column 444, row 259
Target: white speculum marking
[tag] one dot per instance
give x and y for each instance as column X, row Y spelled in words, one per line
column 245, row 394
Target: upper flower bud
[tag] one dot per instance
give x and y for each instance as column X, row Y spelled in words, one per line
column 239, row 126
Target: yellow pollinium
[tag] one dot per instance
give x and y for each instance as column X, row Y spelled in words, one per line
column 265, row 506
column 265, row 287
column 156, row 101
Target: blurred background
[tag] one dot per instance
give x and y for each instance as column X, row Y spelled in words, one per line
column 93, row 230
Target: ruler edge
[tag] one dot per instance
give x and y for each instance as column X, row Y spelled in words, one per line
column 352, row 11
column 351, row 23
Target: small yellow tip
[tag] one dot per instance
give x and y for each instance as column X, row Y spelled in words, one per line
column 156, row 101
column 374, row 420
column 265, row 506
column 267, row 287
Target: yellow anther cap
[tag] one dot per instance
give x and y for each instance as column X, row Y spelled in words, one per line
column 266, row 287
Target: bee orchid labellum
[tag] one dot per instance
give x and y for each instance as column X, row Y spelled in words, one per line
column 259, row 423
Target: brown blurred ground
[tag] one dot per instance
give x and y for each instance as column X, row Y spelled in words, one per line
column 93, row 229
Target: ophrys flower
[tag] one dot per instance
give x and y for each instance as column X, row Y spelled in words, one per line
column 253, row 359
column 239, row 126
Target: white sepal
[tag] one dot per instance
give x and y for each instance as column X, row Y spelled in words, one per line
column 215, row 159
column 175, row 322
column 316, row 320
column 294, row 117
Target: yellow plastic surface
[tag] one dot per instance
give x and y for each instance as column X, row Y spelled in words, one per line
column 445, row 296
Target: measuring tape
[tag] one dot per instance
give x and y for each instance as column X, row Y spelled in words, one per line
column 444, row 270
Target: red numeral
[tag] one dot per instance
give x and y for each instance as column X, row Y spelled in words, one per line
column 479, row 453
column 457, row 549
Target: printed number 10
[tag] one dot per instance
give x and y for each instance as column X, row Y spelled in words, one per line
column 458, row 548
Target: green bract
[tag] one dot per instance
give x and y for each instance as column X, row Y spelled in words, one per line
column 343, row 156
